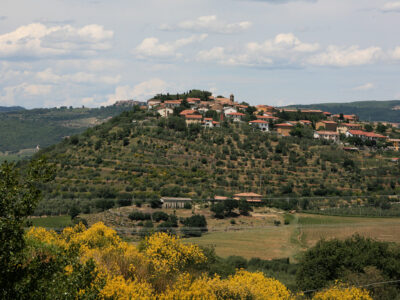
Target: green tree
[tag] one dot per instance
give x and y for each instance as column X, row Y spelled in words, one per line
column 19, row 195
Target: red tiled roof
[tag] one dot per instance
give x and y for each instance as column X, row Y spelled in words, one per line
column 259, row 121
column 173, row 101
column 350, row 124
column 329, row 122
column 220, row 198
column 305, row 121
column 215, row 122
column 193, row 99
column 367, row 134
column 251, row 194
column 284, row 125
column 327, row 113
column 193, row 117
column 188, row 112
column 208, row 119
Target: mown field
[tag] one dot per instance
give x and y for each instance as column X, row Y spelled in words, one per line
column 271, row 241
column 256, row 235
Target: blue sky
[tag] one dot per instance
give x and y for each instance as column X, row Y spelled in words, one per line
column 277, row 52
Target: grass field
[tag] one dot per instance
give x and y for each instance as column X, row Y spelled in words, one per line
column 304, row 231
column 52, row 222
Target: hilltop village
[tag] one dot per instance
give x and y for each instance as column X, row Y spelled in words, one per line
column 338, row 128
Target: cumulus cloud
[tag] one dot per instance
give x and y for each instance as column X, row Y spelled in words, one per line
column 284, row 49
column 48, row 75
column 10, row 94
column 40, row 41
column 140, row 91
column 153, row 48
column 209, row 24
column 343, row 57
column 364, row 87
column 396, row 53
column 391, row 7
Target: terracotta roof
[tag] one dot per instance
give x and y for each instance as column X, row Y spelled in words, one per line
column 251, row 194
column 329, row 122
column 215, row 122
column 220, row 198
column 305, row 121
column 173, row 101
column 208, row 119
column 327, row 113
column 188, row 112
column 284, row 125
column 259, row 122
column 193, row 99
column 367, row 134
column 197, row 117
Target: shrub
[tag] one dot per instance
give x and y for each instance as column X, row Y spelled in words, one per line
column 159, row 216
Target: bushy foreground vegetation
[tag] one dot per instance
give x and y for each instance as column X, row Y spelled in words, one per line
column 95, row 263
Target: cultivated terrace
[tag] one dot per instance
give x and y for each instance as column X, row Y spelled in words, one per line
column 142, row 156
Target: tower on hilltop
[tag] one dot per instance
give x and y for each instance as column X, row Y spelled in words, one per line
column 232, row 97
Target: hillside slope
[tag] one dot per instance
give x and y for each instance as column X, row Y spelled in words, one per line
column 10, row 108
column 366, row 110
column 136, row 155
column 23, row 129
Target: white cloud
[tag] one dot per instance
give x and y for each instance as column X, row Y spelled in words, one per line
column 209, row 24
column 364, row 87
column 48, row 75
column 343, row 57
column 152, row 48
column 10, row 94
column 396, row 53
column 284, row 49
column 140, row 91
column 391, row 7
column 39, row 41
column 37, row 89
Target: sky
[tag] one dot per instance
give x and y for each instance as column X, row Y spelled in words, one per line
column 275, row 52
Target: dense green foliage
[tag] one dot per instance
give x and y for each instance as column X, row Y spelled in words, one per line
column 354, row 259
column 140, row 156
column 366, row 110
column 24, row 129
column 19, row 194
column 10, row 108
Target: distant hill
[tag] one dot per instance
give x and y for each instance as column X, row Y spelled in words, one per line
column 26, row 128
column 388, row 111
column 10, row 108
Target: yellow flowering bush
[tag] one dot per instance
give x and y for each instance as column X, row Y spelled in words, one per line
column 168, row 254
column 343, row 293
column 162, row 267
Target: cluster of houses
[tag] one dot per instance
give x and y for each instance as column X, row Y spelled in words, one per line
column 330, row 127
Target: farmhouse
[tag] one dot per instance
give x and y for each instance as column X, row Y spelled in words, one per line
column 165, row 112
column 249, row 197
column 261, row 124
column 327, row 135
column 344, row 127
column 210, row 123
column 174, row 202
column 236, row 117
column 370, row 136
column 172, row 103
column 284, row 129
column 193, row 119
column 229, row 110
column 153, row 102
column 326, row 125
